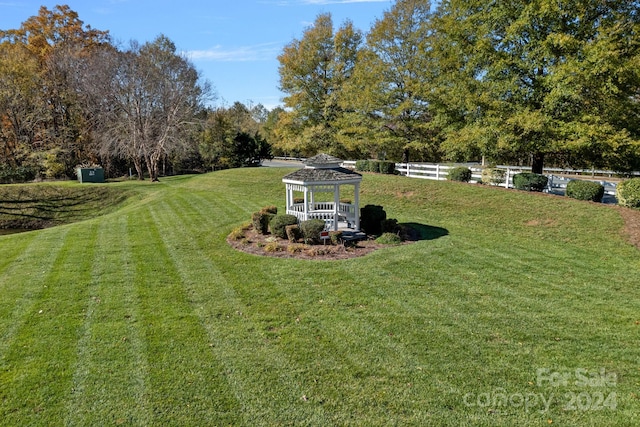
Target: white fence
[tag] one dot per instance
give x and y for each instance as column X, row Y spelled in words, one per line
column 440, row 172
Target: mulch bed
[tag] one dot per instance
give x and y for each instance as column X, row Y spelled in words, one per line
column 631, row 219
column 269, row 245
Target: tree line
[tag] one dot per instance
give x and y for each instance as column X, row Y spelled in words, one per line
column 69, row 96
column 509, row 81
column 519, row 81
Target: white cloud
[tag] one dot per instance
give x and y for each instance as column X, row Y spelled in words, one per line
column 260, row 52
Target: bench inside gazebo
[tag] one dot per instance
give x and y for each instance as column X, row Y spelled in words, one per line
column 323, row 174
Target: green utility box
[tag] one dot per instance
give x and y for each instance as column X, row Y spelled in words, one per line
column 90, row 174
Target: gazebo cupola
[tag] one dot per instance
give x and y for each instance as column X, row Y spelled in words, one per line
column 323, row 174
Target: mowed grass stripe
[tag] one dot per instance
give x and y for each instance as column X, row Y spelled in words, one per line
column 264, row 381
column 23, row 282
column 185, row 381
column 39, row 363
column 109, row 383
column 14, row 247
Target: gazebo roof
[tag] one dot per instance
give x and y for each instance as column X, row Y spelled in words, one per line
column 322, row 169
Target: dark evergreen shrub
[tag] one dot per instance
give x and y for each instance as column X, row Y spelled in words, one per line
column 390, row 225
column 529, row 181
column 585, row 190
column 260, row 221
column 371, row 217
column 628, row 193
column 460, row 173
column 311, row 230
column 279, row 222
column 362, row 165
column 386, row 167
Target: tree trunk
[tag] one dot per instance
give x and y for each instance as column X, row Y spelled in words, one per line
column 537, row 162
column 137, row 163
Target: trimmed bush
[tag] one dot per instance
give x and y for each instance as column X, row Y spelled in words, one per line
column 493, row 176
column 390, row 225
column 293, row 232
column 460, row 173
column 585, row 190
column 377, row 166
column 362, row 165
column 528, row 181
column 260, row 221
column 371, row 217
column 279, row 222
column 311, row 230
column 628, row 193
column 386, row 167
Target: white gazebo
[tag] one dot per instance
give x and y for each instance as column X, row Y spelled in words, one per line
column 323, row 174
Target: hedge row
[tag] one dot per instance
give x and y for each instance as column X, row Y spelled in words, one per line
column 529, row 181
column 377, row 166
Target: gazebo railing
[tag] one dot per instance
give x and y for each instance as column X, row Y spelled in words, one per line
column 324, row 211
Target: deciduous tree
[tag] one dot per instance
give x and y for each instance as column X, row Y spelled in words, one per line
column 313, row 71
column 537, row 78
column 387, row 100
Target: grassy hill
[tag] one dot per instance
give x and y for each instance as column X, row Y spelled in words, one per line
column 524, row 313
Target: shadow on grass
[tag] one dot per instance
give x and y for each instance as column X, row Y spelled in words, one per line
column 423, row 231
column 41, row 206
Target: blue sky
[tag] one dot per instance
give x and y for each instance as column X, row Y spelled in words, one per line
column 233, row 43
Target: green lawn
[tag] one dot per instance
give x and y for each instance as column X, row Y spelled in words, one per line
column 145, row 316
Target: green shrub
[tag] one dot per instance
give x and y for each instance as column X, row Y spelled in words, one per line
column 335, row 236
column 460, row 173
column 371, row 217
column 260, row 222
column 386, row 167
column 362, row 165
column 493, row 176
column 311, row 230
column 390, row 225
column 279, row 222
column 389, row 239
column 529, row 181
column 628, row 193
column 585, row 190
column 293, row 232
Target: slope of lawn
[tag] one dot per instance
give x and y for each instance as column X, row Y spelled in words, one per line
column 145, row 316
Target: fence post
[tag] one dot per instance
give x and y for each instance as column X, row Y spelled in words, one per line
column 408, row 170
column 506, row 181
column 437, row 171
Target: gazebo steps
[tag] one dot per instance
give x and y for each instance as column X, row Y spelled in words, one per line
column 352, row 236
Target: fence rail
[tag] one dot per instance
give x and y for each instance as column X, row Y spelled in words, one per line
column 435, row 171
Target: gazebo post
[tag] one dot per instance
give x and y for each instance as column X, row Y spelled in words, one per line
column 356, row 204
column 336, row 206
column 306, row 203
